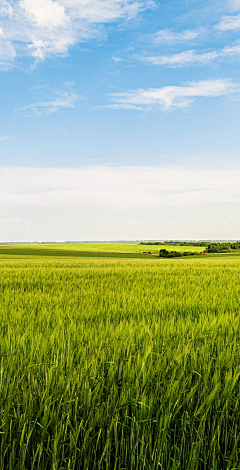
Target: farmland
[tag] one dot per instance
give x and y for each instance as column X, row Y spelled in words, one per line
column 119, row 363
column 102, row 247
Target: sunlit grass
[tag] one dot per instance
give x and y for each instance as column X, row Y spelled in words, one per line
column 120, row 364
column 106, row 247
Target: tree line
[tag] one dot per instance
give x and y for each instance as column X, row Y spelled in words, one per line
column 172, row 242
column 223, row 247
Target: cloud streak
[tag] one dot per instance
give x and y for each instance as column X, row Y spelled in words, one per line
column 190, row 57
column 125, row 188
column 167, row 36
column 229, row 23
column 61, row 99
column 173, row 96
column 6, row 137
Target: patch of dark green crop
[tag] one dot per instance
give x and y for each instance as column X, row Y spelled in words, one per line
column 68, row 253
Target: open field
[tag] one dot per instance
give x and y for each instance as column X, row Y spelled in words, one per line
column 116, row 364
column 96, row 251
column 106, row 247
column 85, row 250
column 32, row 253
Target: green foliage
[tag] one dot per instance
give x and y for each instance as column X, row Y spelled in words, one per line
column 169, row 254
column 119, row 364
column 175, row 254
column 176, row 243
column 223, row 247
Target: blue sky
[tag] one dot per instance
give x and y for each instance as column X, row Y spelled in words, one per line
column 119, row 119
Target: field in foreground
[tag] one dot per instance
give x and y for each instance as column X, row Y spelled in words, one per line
column 120, row 364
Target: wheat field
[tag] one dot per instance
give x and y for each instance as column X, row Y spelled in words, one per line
column 120, row 364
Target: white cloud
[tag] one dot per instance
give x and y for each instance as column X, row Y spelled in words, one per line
column 166, row 36
column 126, row 188
column 52, row 44
column 14, row 227
column 191, row 57
column 44, row 13
column 173, row 96
column 43, row 28
column 62, row 99
column 102, row 11
column 229, row 23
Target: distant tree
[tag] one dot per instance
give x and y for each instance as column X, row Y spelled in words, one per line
column 223, row 247
column 176, row 254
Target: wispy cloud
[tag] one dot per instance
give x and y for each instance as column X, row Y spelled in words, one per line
column 61, row 99
column 117, row 59
column 7, row 51
column 229, row 23
column 234, row 4
column 119, row 188
column 42, row 28
column 173, row 96
column 167, row 36
column 191, row 57
column 6, row 137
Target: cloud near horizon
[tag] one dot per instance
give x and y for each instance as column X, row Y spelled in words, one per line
column 126, row 188
column 13, row 226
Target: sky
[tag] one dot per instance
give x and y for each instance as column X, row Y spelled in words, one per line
column 119, row 120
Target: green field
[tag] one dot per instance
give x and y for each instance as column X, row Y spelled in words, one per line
column 105, row 247
column 114, row 363
column 32, row 253
column 98, row 250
